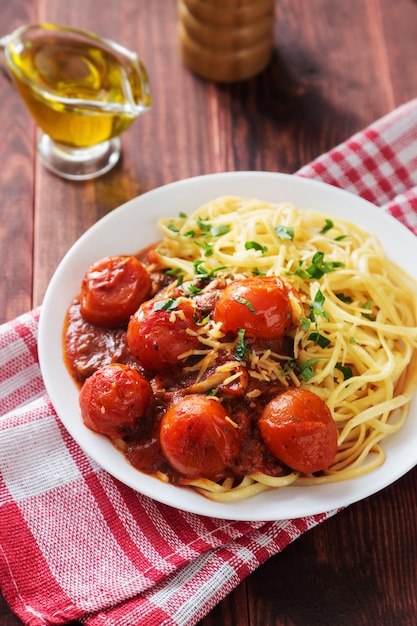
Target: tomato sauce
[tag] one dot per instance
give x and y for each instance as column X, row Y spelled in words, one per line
column 89, row 347
column 189, row 420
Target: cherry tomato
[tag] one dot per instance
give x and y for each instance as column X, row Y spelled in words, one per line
column 112, row 290
column 197, row 439
column 158, row 336
column 259, row 305
column 299, row 430
column 113, row 399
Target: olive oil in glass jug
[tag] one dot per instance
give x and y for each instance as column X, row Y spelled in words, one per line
column 83, row 91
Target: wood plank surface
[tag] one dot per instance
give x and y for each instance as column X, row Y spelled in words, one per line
column 336, row 67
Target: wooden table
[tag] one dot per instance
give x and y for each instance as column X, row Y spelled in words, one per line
column 337, row 67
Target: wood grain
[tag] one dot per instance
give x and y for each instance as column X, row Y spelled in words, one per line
column 17, row 154
column 336, row 67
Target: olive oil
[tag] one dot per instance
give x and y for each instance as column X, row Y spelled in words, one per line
column 80, row 89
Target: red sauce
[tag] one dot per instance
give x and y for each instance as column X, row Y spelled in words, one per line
column 88, row 348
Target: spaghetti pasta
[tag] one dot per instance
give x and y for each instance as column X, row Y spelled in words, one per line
column 354, row 321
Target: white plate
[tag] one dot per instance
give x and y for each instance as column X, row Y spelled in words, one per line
column 133, row 226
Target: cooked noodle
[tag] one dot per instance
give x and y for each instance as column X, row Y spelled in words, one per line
column 350, row 294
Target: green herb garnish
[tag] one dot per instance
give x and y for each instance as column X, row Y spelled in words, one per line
column 203, row 224
column 200, row 322
column 176, row 272
column 368, row 306
column 254, row 245
column 220, row 229
column 202, row 272
column 167, row 305
column 285, row 232
column 317, row 268
column 344, row 298
column 192, row 290
column 305, row 323
column 246, row 303
column 328, row 224
column 306, row 370
column 241, row 350
column 316, row 307
column 207, row 247
column 345, row 369
column 173, row 227
column 319, row 339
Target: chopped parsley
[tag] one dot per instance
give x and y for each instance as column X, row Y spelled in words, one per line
column 319, row 339
column 246, row 303
column 305, row 323
column 289, row 367
column 167, row 305
column 192, row 290
column 368, row 306
column 344, row 298
column 173, row 271
column 201, row 322
column 203, row 224
column 316, row 307
column 207, row 248
column 285, row 232
column 254, row 245
column 176, row 272
column 221, row 229
column 318, row 267
column 241, row 350
column 306, row 370
column 345, row 369
column 206, row 229
column 328, row 224
column 202, row 272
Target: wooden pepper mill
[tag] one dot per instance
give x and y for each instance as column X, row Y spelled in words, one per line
column 226, row 40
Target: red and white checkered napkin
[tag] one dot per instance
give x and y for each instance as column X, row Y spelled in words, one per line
column 78, row 545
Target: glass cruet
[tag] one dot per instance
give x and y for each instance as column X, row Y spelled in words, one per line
column 82, row 90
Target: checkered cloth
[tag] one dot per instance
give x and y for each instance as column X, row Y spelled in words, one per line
column 78, row 545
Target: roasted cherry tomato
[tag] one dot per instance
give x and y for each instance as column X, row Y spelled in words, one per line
column 112, row 290
column 113, row 399
column 259, row 305
column 157, row 336
column 196, row 437
column 299, row 430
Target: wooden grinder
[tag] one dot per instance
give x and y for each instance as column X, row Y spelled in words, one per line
column 226, row 40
